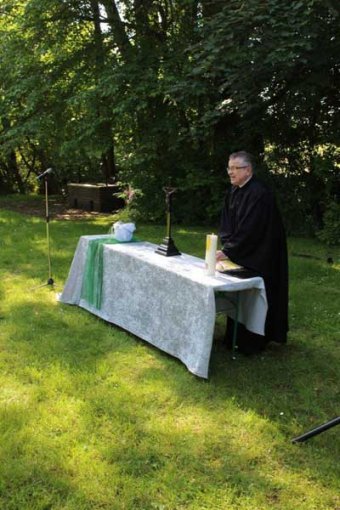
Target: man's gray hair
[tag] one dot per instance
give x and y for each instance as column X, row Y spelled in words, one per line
column 246, row 156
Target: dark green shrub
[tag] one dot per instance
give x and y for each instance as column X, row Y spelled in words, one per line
column 330, row 233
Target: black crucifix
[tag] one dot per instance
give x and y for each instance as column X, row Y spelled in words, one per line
column 167, row 247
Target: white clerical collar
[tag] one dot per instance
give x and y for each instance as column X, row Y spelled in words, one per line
column 246, row 181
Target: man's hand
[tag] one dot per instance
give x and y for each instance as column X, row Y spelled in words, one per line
column 220, row 255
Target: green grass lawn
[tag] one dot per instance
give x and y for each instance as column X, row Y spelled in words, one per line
column 93, row 418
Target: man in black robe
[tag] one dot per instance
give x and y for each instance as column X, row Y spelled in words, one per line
column 253, row 236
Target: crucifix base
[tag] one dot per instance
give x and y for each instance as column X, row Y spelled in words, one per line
column 167, row 248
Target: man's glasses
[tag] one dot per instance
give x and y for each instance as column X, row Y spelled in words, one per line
column 230, row 168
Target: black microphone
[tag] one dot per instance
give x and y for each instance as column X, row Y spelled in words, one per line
column 48, row 171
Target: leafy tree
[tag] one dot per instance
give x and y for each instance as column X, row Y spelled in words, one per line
column 265, row 76
column 58, row 116
column 159, row 91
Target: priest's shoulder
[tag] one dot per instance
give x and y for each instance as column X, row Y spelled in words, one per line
column 257, row 186
column 257, row 190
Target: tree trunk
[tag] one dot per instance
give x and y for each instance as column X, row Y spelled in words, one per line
column 105, row 128
column 11, row 164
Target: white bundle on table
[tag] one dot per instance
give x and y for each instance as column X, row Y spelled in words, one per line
column 123, row 231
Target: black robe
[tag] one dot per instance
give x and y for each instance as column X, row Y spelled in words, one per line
column 253, row 236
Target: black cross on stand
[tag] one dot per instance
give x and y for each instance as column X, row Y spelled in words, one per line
column 167, row 246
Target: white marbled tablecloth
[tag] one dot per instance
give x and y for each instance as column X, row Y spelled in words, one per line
column 167, row 301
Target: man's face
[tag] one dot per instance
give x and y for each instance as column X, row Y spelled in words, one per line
column 239, row 171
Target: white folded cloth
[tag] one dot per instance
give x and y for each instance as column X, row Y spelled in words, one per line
column 123, row 231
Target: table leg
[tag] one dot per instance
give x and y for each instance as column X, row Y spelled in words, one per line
column 234, row 300
column 234, row 341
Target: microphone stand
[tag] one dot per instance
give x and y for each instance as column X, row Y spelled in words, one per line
column 50, row 281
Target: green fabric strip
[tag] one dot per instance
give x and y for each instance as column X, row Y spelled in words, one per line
column 92, row 285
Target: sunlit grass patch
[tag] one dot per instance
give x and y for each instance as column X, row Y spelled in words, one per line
column 92, row 417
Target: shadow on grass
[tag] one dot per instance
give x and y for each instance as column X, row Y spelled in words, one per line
column 292, row 386
column 120, row 426
column 143, row 459
column 250, row 408
column 43, row 472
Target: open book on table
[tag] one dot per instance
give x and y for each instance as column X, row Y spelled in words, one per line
column 229, row 267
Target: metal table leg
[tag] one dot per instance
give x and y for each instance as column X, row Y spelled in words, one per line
column 234, row 300
column 234, row 343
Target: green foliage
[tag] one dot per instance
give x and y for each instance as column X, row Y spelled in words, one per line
column 157, row 91
column 330, row 232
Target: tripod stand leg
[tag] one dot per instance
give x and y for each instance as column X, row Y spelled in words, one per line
column 317, row 430
column 50, row 281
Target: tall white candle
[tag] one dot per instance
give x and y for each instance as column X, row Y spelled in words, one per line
column 210, row 254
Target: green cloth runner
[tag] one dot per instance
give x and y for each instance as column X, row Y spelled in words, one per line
column 92, row 285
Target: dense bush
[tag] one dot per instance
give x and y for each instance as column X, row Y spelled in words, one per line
column 330, row 233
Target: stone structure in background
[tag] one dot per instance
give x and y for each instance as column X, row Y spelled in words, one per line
column 94, row 197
